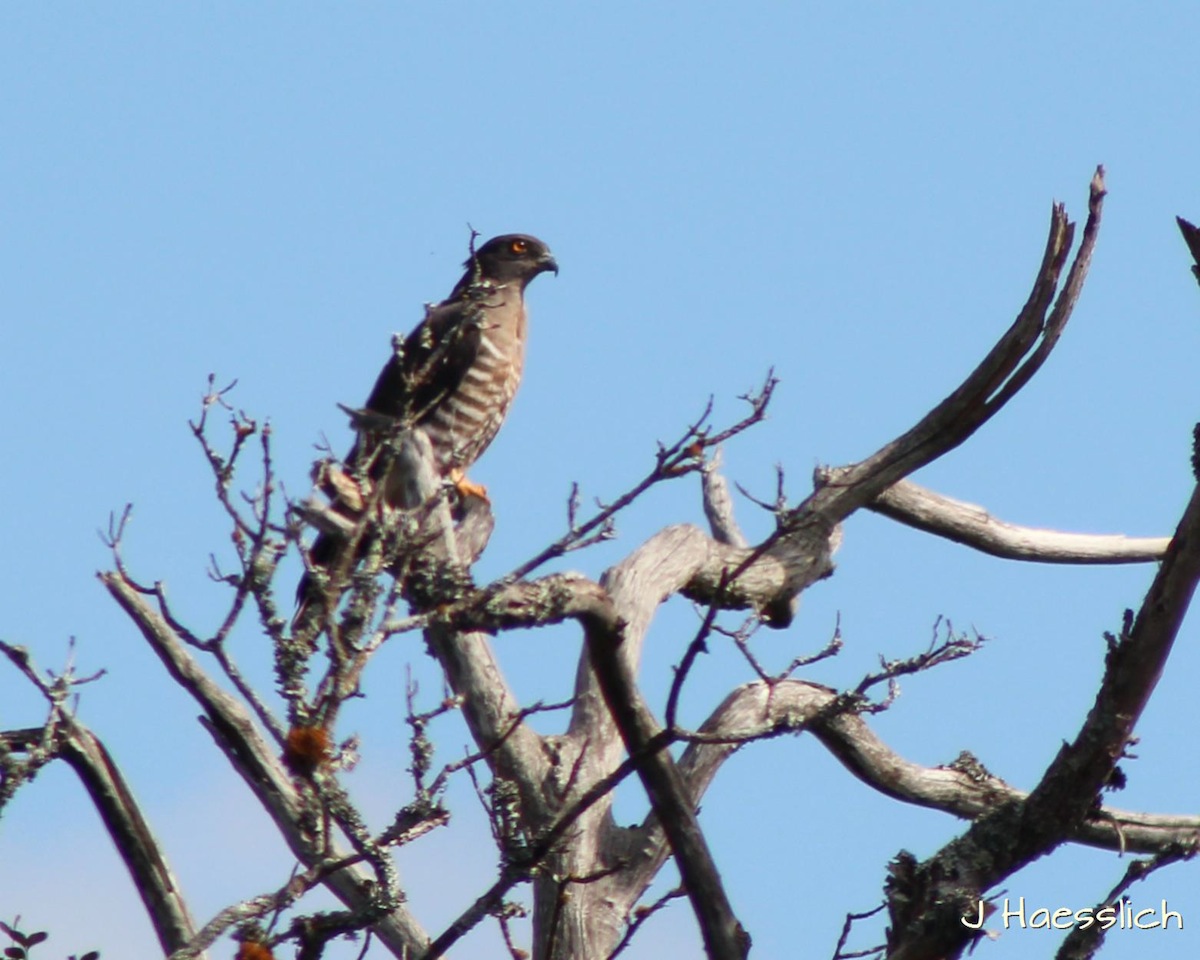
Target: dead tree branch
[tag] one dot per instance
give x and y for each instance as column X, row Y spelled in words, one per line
column 1010, row 364
column 974, row 527
column 1082, row 943
column 63, row 736
column 926, row 900
column 259, row 765
column 131, row 833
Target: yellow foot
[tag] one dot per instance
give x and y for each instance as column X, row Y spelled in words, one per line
column 466, row 488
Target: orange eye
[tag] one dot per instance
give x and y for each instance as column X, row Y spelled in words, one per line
column 518, row 246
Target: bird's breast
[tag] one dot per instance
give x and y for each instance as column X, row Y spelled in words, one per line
column 463, row 425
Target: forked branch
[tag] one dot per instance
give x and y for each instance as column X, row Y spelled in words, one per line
column 1010, row 364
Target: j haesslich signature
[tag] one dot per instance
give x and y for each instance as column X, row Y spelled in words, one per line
column 1120, row 915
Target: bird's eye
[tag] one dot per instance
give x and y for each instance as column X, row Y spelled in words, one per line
column 518, row 246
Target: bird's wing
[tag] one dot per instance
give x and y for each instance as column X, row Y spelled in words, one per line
column 432, row 363
column 430, row 366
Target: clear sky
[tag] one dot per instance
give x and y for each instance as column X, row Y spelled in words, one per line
column 854, row 194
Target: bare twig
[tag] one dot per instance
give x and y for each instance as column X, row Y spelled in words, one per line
column 698, row 646
column 672, row 460
column 952, row 648
column 851, row 919
column 641, row 915
column 1082, row 942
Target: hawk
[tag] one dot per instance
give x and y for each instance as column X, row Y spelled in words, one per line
column 454, row 377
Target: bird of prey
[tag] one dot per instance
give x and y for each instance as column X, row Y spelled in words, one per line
column 452, row 380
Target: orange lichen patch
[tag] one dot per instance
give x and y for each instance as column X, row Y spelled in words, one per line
column 251, row 950
column 306, row 749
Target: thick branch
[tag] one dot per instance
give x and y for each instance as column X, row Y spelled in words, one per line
column 682, row 559
column 511, row 747
column 964, row 789
column 63, row 737
column 724, row 937
column 608, row 646
column 678, row 559
column 965, row 792
column 973, row 526
column 131, row 834
column 492, row 711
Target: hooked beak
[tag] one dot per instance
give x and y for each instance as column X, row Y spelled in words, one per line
column 547, row 262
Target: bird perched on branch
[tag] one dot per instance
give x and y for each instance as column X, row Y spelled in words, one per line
column 450, row 382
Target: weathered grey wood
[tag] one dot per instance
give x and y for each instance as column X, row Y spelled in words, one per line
column 973, row 526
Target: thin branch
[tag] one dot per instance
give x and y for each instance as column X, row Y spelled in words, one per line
column 641, row 915
column 952, row 648
column 698, row 646
column 672, row 460
column 1082, row 942
column 223, row 466
column 851, row 919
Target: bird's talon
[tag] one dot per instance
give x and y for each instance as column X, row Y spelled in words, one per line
column 468, row 488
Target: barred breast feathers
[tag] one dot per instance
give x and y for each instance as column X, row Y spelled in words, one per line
column 463, row 426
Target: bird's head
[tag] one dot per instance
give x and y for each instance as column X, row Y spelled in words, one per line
column 513, row 256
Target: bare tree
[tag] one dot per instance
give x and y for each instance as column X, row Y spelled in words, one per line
column 549, row 798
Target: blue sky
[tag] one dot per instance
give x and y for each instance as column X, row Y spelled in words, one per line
column 856, row 195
